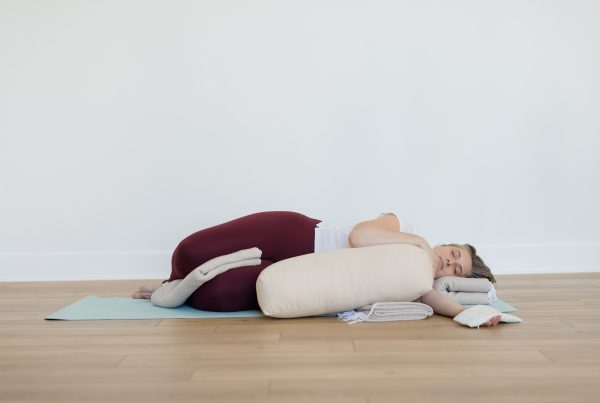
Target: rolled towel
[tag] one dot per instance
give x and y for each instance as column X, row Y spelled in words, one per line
column 387, row 311
column 466, row 291
column 244, row 254
column 176, row 292
column 479, row 314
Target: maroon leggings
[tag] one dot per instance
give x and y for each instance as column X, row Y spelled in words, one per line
column 279, row 234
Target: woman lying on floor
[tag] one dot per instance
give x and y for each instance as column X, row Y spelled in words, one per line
column 284, row 234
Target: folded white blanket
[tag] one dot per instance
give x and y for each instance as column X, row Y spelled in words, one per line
column 387, row 311
column 466, row 291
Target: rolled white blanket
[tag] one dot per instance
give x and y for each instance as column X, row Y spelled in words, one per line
column 387, row 311
column 176, row 292
column 466, row 291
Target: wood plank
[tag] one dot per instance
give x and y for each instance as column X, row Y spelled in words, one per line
column 583, row 324
column 420, row 384
column 474, row 346
column 59, row 362
column 341, row 366
column 127, row 339
column 573, row 354
column 40, row 323
column 130, row 390
column 107, row 330
column 233, row 347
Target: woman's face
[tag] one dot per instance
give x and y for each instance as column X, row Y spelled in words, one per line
column 451, row 261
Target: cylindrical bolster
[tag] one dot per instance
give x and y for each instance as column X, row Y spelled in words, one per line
column 343, row 279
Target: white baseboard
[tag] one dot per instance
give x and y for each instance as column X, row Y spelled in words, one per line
column 502, row 259
column 85, row 266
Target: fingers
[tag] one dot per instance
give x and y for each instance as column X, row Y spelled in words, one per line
column 145, row 292
column 141, row 295
column 494, row 321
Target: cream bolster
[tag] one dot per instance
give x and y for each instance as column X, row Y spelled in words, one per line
column 343, row 279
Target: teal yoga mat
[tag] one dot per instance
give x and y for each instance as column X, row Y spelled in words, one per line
column 98, row 308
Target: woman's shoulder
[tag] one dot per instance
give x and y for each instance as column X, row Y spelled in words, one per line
column 405, row 224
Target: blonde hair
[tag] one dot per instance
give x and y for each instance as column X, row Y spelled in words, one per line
column 480, row 269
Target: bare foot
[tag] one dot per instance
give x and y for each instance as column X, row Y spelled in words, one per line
column 145, row 292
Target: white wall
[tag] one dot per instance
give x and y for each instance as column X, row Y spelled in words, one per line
column 126, row 125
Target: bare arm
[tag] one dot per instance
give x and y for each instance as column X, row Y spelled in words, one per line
column 380, row 231
column 441, row 304
column 444, row 306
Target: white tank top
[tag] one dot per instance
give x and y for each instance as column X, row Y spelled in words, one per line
column 329, row 236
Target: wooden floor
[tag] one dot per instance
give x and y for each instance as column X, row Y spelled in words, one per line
column 553, row 356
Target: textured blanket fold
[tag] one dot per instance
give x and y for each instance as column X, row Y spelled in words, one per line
column 466, row 291
column 176, row 292
column 387, row 311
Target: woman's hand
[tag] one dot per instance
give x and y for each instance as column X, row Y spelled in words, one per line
column 493, row 322
column 145, row 292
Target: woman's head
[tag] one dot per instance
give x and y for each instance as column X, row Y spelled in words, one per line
column 460, row 260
